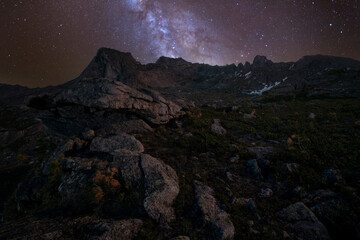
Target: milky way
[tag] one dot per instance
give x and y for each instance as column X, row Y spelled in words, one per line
column 173, row 31
column 47, row 42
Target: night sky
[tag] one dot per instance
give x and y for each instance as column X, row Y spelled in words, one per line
column 47, row 42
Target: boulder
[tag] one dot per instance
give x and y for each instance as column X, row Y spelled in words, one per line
column 117, row 145
column 249, row 116
column 216, row 219
column 112, row 94
column 266, row 193
column 262, row 152
column 161, row 189
column 302, row 223
column 253, row 169
column 217, row 128
column 159, row 180
column 252, row 206
column 130, row 169
column 311, row 115
column 89, row 134
column 290, row 167
column 328, row 207
column 332, row 175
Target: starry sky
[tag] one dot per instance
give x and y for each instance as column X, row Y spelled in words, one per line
column 48, row 42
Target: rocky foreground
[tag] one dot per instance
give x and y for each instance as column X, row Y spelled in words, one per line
column 175, row 150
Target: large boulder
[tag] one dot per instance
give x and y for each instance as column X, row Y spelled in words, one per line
column 216, row 219
column 112, row 94
column 161, row 188
column 159, row 181
column 117, row 145
column 302, row 223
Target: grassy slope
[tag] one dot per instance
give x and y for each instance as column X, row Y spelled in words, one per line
column 333, row 137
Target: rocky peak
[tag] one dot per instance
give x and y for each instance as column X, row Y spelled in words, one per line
column 171, row 61
column 261, row 61
column 112, row 64
column 321, row 62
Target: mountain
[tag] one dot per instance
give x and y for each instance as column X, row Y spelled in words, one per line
column 180, row 150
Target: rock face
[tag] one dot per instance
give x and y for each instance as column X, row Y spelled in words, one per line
column 216, row 219
column 160, row 181
column 112, row 94
column 112, row 64
column 303, row 223
column 120, row 144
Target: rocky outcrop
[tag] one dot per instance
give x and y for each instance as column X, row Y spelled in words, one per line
column 216, row 219
column 159, row 180
column 111, row 94
column 117, row 145
column 112, row 64
column 302, row 223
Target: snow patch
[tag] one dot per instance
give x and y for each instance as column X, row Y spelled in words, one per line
column 248, row 75
column 266, row 88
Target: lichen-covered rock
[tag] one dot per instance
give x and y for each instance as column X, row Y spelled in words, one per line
column 302, row 223
column 117, row 145
column 214, row 217
column 161, row 189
